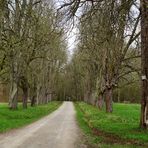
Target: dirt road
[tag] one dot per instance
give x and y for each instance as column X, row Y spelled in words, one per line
column 57, row 130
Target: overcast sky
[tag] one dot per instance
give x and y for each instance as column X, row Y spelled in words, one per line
column 72, row 32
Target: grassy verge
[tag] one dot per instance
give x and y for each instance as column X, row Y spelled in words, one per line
column 119, row 128
column 13, row 119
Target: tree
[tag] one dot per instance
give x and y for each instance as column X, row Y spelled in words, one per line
column 108, row 49
column 32, row 48
column 144, row 52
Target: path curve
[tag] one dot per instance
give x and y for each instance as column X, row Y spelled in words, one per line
column 57, row 130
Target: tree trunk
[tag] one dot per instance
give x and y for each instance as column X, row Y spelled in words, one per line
column 33, row 101
column 108, row 100
column 100, row 101
column 13, row 95
column 144, row 52
column 25, row 97
column 37, row 95
column 34, row 94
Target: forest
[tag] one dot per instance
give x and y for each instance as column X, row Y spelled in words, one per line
column 102, row 68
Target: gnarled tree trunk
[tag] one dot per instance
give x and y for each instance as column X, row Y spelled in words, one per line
column 25, row 88
column 108, row 100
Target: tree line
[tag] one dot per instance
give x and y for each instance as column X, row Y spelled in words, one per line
column 113, row 39
column 32, row 50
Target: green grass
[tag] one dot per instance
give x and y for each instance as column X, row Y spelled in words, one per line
column 123, row 122
column 13, row 119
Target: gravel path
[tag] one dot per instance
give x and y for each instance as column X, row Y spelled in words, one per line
column 57, row 130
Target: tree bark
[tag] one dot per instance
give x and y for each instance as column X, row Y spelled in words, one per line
column 13, row 95
column 100, row 101
column 33, row 101
column 25, row 97
column 144, row 52
column 108, row 100
column 34, row 94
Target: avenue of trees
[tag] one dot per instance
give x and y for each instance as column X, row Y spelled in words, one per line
column 106, row 66
column 108, row 56
column 32, row 50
